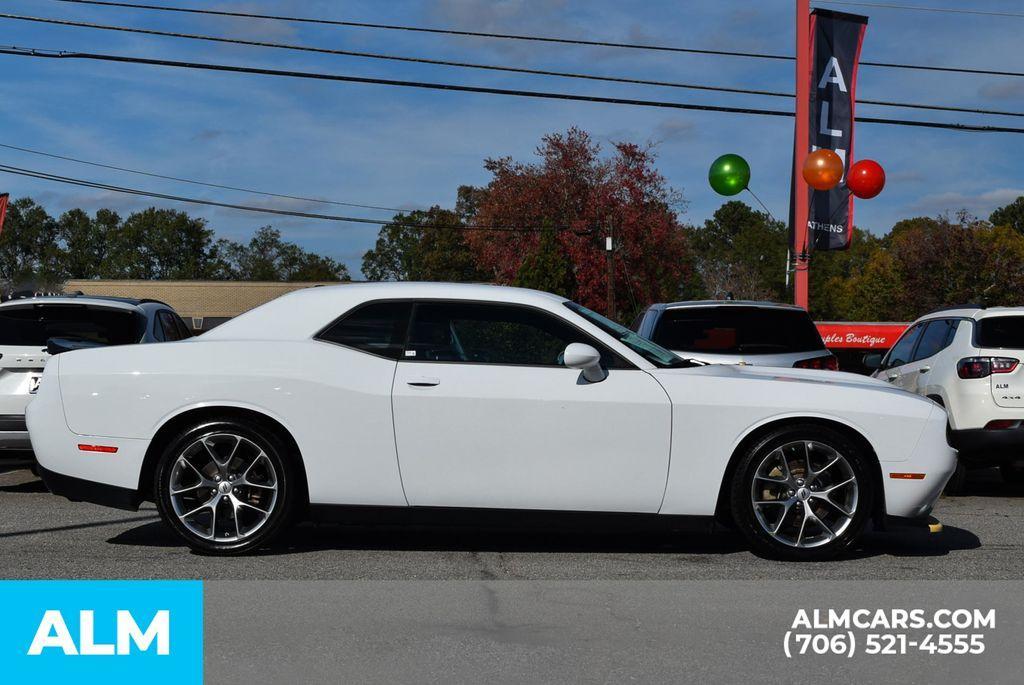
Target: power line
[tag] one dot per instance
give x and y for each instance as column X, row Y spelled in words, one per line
column 30, row 173
column 29, row 52
column 198, row 183
column 490, row 67
column 919, row 8
column 521, row 37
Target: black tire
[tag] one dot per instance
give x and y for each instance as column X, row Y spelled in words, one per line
column 746, row 519
column 279, row 507
column 1013, row 473
column 957, row 484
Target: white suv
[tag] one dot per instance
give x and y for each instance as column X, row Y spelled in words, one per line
column 968, row 359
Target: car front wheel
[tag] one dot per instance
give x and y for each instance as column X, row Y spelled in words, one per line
column 225, row 487
column 802, row 493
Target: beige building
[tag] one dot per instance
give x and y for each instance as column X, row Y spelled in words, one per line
column 204, row 304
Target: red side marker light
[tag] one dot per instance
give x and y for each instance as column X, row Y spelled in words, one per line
column 105, row 449
column 907, row 476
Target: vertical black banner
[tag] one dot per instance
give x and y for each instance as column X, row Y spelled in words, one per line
column 836, row 39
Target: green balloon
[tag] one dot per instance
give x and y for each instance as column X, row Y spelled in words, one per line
column 729, row 175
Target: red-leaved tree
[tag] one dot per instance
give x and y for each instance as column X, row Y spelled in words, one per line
column 579, row 197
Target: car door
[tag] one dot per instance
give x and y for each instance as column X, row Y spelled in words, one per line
column 487, row 416
column 934, row 338
column 899, row 356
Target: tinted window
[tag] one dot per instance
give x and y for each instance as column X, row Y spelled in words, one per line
column 170, row 330
column 737, row 329
column 492, row 334
column 935, row 338
column 376, row 328
column 183, row 330
column 1000, row 331
column 33, row 326
column 900, row 353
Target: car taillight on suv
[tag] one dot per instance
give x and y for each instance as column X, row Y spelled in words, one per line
column 983, row 367
column 827, row 362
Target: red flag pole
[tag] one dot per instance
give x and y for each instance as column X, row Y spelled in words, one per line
column 801, row 141
column 4, row 197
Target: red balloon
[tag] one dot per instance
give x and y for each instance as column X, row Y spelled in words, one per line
column 866, row 179
column 823, row 169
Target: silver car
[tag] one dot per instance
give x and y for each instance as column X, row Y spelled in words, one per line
column 737, row 332
column 35, row 328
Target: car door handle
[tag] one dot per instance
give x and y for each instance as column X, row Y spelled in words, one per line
column 924, row 369
column 893, row 376
column 424, row 381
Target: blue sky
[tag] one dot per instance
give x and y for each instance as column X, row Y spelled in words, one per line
column 411, row 148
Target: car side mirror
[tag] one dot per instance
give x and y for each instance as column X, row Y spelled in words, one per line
column 586, row 359
column 872, row 361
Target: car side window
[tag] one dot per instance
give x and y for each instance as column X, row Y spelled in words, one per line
column 183, row 330
column 494, row 334
column 170, row 331
column 934, row 339
column 158, row 329
column 378, row 328
column 901, row 351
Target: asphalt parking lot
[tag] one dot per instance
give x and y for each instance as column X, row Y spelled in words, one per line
column 43, row 536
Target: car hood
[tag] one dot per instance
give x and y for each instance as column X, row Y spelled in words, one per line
column 809, row 376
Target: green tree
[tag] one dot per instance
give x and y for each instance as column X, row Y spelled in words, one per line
column 547, row 267
column 423, row 245
column 29, row 254
column 831, row 270
column 1011, row 215
column 742, row 252
column 269, row 258
column 83, row 241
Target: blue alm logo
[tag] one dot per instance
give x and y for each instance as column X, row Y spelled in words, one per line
column 102, row 631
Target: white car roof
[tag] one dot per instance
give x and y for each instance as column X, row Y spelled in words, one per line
column 975, row 313
column 303, row 313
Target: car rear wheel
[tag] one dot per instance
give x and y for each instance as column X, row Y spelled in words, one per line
column 802, row 493
column 225, row 487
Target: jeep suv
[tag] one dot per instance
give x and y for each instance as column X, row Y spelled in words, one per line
column 968, row 359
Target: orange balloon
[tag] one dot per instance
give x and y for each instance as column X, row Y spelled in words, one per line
column 823, row 169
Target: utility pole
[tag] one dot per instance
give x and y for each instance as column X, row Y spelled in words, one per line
column 801, row 141
column 609, row 248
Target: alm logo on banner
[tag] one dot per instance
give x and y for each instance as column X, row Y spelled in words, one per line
column 102, row 631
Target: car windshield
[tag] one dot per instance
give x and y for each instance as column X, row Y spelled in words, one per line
column 33, row 326
column 735, row 329
column 653, row 353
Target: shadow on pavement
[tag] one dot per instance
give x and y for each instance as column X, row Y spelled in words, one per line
column 309, row 538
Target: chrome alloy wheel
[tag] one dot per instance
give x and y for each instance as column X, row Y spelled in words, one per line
column 804, row 494
column 223, row 487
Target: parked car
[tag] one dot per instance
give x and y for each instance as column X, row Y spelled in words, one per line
column 33, row 329
column 968, row 359
column 737, row 332
column 427, row 401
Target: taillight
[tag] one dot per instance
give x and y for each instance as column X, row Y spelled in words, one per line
column 827, row 362
column 981, row 367
column 1002, row 424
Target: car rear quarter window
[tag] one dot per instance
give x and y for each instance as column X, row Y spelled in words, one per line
column 33, row 326
column 935, row 338
column 736, row 329
column 377, row 328
column 1000, row 331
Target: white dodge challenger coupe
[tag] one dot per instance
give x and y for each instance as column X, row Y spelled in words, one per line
column 427, row 401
